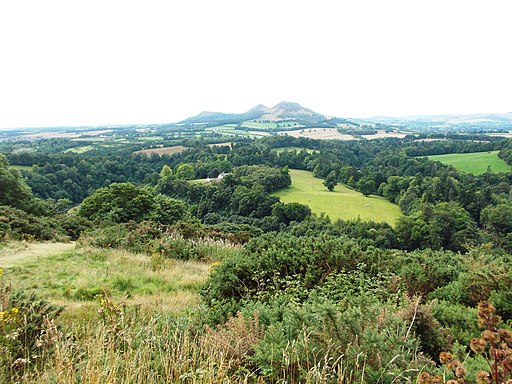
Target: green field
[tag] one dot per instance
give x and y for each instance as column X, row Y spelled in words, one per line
column 257, row 124
column 83, row 149
column 268, row 125
column 475, row 163
column 229, row 130
column 342, row 203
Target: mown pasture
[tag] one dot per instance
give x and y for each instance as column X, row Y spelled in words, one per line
column 343, row 203
column 475, row 163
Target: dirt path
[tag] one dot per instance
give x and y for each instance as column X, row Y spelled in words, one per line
column 15, row 252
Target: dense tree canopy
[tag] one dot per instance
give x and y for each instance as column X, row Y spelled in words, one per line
column 13, row 190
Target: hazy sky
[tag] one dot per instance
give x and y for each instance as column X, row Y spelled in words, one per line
column 107, row 62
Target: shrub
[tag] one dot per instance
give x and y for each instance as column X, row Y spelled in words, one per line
column 23, row 320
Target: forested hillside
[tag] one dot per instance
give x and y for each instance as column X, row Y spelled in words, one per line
column 285, row 295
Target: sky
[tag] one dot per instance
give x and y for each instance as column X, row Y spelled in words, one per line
column 107, row 62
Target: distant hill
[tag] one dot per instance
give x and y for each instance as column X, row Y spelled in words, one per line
column 290, row 111
column 282, row 111
column 482, row 120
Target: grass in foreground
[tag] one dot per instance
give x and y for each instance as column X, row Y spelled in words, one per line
column 342, row 203
column 475, row 163
column 76, row 277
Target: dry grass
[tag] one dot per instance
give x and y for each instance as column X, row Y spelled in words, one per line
column 162, row 151
column 74, row 278
column 131, row 348
column 319, row 133
column 383, row 135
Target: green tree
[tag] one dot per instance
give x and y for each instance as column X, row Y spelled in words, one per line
column 167, row 210
column 13, row 190
column 185, row 171
column 497, row 220
column 366, row 186
column 287, row 213
column 166, row 171
column 119, row 202
column 330, row 181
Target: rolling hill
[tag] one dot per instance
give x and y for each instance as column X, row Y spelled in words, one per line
column 281, row 112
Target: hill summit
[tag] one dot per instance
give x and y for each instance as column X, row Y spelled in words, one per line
column 284, row 110
column 287, row 110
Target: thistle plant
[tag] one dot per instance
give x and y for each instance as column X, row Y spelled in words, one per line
column 494, row 345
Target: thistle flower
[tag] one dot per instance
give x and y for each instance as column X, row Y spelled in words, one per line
column 424, row 378
column 477, row 345
column 445, row 357
column 487, row 317
column 491, row 336
column 453, row 365
column 507, row 364
column 505, row 335
column 483, row 377
column 460, row 371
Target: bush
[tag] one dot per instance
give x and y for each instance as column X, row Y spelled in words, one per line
column 23, row 320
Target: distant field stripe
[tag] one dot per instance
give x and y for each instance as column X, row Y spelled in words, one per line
column 162, row 150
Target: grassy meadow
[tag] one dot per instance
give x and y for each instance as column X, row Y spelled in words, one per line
column 475, row 163
column 343, row 203
column 257, row 124
column 125, row 319
column 79, row 150
column 76, row 277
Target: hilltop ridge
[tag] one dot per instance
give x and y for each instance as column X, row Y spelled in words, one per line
column 284, row 110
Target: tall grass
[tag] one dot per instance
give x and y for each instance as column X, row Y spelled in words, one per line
column 75, row 278
column 164, row 349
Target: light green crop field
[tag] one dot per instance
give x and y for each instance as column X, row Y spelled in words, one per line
column 80, row 149
column 343, row 203
column 475, row 163
column 229, row 130
column 257, row 124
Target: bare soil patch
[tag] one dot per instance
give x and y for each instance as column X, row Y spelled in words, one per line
column 162, row 151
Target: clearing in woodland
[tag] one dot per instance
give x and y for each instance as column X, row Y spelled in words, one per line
column 475, row 163
column 343, row 203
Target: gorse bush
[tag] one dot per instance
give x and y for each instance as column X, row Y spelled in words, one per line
column 186, row 240
column 20, row 225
